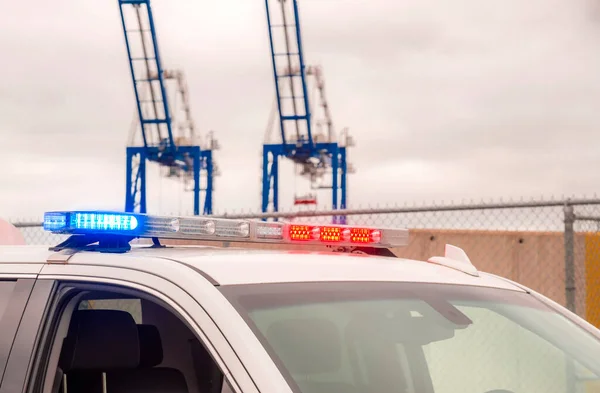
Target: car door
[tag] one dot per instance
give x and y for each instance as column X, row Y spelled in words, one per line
column 176, row 292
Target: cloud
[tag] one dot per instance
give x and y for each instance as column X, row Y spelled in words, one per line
column 445, row 99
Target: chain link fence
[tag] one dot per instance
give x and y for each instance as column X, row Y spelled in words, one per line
column 551, row 246
column 34, row 234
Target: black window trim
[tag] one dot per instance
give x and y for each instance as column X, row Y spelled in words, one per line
column 31, row 326
column 10, row 320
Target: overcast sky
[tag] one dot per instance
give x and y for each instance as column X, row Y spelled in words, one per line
column 446, row 99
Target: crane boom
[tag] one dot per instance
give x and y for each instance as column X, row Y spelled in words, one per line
column 313, row 153
column 290, row 79
column 160, row 140
column 147, row 75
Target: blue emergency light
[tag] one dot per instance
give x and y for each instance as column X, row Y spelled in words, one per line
column 93, row 222
column 116, row 225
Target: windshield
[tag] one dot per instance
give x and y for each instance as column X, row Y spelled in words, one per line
column 417, row 338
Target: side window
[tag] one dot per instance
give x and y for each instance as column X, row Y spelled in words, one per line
column 150, row 346
column 131, row 306
column 226, row 388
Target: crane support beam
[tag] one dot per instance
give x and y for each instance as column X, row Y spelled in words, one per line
column 270, row 176
column 135, row 199
column 160, row 142
column 298, row 141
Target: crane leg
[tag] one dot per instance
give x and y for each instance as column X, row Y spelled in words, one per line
column 135, row 198
column 208, row 199
column 270, row 178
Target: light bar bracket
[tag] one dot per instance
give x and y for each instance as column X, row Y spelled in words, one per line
column 106, row 243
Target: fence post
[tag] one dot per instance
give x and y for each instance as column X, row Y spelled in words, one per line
column 569, row 236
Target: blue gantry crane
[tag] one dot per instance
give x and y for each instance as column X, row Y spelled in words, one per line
column 316, row 153
column 161, row 142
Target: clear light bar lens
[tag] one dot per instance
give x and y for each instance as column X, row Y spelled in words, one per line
column 233, row 229
column 157, row 225
column 269, row 231
column 196, row 226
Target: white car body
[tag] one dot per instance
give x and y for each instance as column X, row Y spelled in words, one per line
column 185, row 278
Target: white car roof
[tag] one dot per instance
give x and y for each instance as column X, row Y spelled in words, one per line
column 229, row 266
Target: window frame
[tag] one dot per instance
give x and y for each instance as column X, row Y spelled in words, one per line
column 10, row 320
column 143, row 283
column 32, row 324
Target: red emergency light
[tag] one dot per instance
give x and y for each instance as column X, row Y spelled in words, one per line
column 333, row 234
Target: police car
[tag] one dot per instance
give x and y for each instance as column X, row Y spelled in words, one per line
column 115, row 308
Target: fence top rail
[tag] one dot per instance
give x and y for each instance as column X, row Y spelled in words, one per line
column 395, row 210
column 27, row 224
column 417, row 209
column 587, row 218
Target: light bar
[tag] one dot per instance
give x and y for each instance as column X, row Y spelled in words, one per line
column 206, row 228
